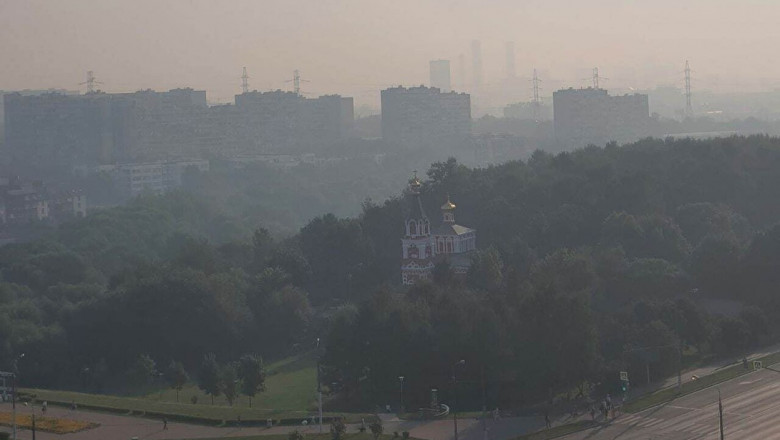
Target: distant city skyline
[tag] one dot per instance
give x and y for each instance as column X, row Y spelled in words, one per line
column 356, row 48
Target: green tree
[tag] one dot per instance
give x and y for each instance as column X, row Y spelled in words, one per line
column 144, row 370
column 209, row 379
column 176, row 377
column 252, row 375
column 230, row 381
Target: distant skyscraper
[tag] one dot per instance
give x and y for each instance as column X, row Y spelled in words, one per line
column 461, row 72
column 440, row 75
column 476, row 58
column 510, row 59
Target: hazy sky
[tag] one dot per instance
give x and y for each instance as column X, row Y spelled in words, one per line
column 358, row 47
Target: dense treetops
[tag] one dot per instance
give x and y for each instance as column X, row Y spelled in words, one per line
column 586, row 259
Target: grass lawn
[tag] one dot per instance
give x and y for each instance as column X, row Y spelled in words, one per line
column 291, row 385
column 290, row 394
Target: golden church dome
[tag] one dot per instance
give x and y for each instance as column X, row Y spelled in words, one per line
column 449, row 205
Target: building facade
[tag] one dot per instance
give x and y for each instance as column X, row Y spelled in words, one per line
column 592, row 116
column 422, row 248
column 29, row 202
column 278, row 120
column 418, row 117
column 53, row 133
column 156, row 177
column 440, row 75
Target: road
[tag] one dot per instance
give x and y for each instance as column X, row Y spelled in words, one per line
column 751, row 407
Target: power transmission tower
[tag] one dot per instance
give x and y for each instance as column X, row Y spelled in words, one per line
column 297, row 80
column 595, row 77
column 90, row 82
column 536, row 102
column 688, row 106
column 245, row 82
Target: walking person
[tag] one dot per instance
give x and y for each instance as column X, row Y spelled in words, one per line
column 165, row 423
column 547, row 419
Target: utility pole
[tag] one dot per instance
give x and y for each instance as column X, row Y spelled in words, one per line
column 648, row 372
column 401, row 396
column 679, row 367
column 455, row 396
column 484, row 405
column 245, row 82
column 13, row 399
column 319, row 382
column 688, row 106
column 720, row 414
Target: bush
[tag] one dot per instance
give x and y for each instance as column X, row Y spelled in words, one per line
column 406, row 435
column 295, row 435
column 337, row 428
column 376, row 428
column 194, row 400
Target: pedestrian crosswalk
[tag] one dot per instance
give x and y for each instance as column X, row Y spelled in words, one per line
column 752, row 415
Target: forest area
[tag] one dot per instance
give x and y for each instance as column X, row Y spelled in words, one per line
column 585, row 258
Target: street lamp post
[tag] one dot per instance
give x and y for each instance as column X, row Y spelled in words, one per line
column 13, row 391
column 484, row 405
column 401, row 396
column 455, row 396
column 319, row 385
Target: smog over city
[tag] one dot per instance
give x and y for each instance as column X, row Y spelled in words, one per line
column 373, row 220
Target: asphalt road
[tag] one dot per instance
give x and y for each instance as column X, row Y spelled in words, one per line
column 751, row 410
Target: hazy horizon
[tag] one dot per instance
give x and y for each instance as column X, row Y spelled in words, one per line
column 356, row 48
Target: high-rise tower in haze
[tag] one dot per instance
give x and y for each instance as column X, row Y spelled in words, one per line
column 461, row 72
column 440, row 75
column 476, row 58
column 510, row 59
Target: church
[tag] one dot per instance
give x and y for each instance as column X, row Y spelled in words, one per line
column 423, row 247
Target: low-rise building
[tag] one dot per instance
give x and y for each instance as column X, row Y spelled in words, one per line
column 156, row 177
